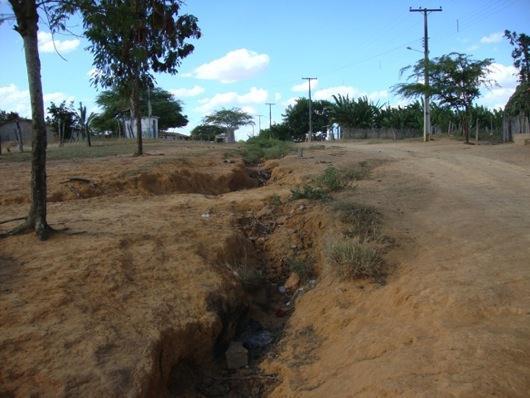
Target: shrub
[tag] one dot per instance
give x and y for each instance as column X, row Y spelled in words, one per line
column 331, row 180
column 309, row 192
column 274, row 200
column 357, row 260
column 359, row 171
column 257, row 149
column 363, row 222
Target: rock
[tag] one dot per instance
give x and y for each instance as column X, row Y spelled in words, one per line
column 258, row 340
column 236, row 355
column 282, row 289
column 292, row 283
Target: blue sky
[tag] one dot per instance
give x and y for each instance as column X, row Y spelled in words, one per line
column 253, row 52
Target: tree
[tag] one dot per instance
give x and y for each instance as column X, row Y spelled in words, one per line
column 85, row 122
column 455, row 81
column 360, row 113
column 27, row 20
column 297, row 122
column 520, row 54
column 64, row 118
column 163, row 104
column 132, row 39
column 206, row 132
column 279, row 131
column 8, row 116
column 230, row 120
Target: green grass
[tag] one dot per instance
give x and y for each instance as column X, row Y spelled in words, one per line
column 354, row 259
column 331, row 180
column 309, row 192
column 258, row 149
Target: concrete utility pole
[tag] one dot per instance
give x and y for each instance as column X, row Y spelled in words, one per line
column 426, row 106
column 270, row 112
column 259, row 123
column 310, row 138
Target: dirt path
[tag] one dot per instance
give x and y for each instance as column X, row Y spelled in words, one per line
column 454, row 320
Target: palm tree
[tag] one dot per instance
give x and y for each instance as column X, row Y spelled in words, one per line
column 85, row 122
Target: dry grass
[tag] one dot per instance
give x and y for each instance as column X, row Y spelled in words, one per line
column 354, row 259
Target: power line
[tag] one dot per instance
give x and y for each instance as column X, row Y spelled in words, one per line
column 310, row 137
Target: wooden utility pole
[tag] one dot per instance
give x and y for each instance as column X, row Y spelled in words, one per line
column 426, row 108
column 259, row 123
column 310, row 108
column 270, row 104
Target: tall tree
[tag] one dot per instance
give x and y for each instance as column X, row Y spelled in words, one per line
column 84, row 121
column 206, row 132
column 163, row 104
column 132, row 39
column 519, row 102
column 230, row 120
column 348, row 112
column 64, row 118
column 295, row 117
column 27, row 25
column 456, row 80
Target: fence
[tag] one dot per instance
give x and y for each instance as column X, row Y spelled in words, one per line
column 386, row 133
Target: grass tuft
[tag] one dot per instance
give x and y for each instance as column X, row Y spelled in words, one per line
column 354, row 259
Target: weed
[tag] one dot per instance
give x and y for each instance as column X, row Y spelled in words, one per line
column 331, row 180
column 258, row 148
column 309, row 192
column 363, row 222
column 304, row 269
column 274, row 200
column 354, row 259
column 359, row 171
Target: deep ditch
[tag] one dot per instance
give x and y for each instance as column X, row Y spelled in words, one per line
column 258, row 323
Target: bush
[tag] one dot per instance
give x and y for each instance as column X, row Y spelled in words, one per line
column 331, row 180
column 359, row 171
column 309, row 192
column 257, row 149
column 364, row 222
column 357, row 260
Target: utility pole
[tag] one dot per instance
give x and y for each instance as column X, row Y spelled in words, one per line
column 310, row 108
column 426, row 106
column 270, row 112
column 259, row 123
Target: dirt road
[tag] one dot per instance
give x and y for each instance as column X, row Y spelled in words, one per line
column 454, row 320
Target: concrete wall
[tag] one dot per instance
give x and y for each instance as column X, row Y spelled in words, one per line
column 149, row 128
column 355, row 133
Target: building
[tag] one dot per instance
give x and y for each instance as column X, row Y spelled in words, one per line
column 149, row 127
column 10, row 129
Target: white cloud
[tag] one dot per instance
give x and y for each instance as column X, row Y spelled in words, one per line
column 233, row 66
column 352, row 92
column 13, row 99
column 187, row 92
column 231, row 98
column 506, row 78
column 290, row 101
column 46, row 41
column 304, row 87
column 492, row 38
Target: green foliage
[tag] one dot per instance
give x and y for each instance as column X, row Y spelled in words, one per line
column 116, row 102
column 296, row 118
column 520, row 54
column 257, row 149
column 331, row 180
column 63, row 116
column 310, row 192
column 360, row 113
column 229, row 118
column 357, row 260
column 7, row 116
column 279, row 131
column 206, row 132
column 519, row 102
column 407, row 117
column 274, row 200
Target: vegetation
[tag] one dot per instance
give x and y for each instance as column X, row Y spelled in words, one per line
column 63, row 118
column 206, row 132
column 132, row 40
column 257, row 149
column 357, row 260
column 455, row 81
column 230, row 120
column 310, row 192
column 519, row 102
column 115, row 104
column 304, row 269
column 363, row 222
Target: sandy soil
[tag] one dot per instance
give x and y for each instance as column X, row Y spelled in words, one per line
column 142, row 282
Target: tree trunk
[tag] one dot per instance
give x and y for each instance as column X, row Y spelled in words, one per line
column 19, row 138
column 27, row 26
column 87, row 131
column 136, row 116
column 465, row 126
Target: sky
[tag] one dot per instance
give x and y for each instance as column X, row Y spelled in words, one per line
column 253, row 52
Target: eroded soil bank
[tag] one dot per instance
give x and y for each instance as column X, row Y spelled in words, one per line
column 147, row 288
